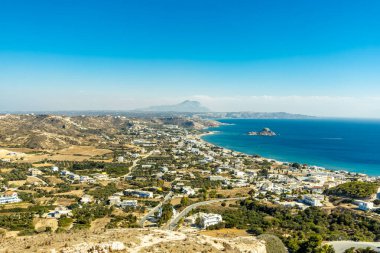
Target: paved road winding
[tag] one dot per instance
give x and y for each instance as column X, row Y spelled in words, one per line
column 155, row 209
column 173, row 223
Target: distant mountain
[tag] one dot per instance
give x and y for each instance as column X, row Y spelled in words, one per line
column 185, row 106
column 255, row 115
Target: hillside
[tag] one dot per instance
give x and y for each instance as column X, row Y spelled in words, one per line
column 130, row 240
column 56, row 132
column 52, row 132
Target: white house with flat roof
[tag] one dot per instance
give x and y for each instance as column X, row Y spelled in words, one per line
column 209, row 219
column 365, row 206
column 128, row 203
column 311, row 200
column 9, row 197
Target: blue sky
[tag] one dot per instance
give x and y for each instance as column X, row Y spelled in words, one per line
column 314, row 57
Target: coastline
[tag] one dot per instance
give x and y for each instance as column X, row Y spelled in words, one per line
column 260, row 158
column 200, row 136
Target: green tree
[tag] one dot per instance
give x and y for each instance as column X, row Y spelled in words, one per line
column 184, row 201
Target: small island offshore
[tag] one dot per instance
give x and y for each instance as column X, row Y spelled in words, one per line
column 265, row 132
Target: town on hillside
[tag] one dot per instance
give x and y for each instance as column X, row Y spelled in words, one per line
column 86, row 174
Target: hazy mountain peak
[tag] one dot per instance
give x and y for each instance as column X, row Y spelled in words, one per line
column 185, row 106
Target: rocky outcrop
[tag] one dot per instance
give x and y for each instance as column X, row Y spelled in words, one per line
column 264, row 132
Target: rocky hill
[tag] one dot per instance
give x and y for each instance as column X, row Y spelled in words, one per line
column 56, row 132
column 53, row 132
column 132, row 241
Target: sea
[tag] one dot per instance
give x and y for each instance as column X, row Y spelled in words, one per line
column 337, row 144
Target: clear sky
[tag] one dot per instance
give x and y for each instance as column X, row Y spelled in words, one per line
column 313, row 57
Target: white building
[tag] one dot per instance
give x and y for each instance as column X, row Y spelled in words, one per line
column 138, row 193
column 59, row 212
column 9, row 197
column 239, row 173
column 54, row 169
column 209, row 219
column 188, row 190
column 365, row 206
column 86, row 199
column 128, row 203
column 34, row 172
column 120, row 159
column 114, row 200
column 311, row 200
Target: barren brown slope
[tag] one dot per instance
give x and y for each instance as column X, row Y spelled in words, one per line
column 56, row 132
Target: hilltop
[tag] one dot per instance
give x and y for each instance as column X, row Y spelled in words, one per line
column 52, row 132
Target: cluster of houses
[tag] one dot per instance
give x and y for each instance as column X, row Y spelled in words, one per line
column 83, row 178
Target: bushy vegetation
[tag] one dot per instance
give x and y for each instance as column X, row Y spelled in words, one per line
column 84, row 215
column 103, row 193
column 273, row 244
column 298, row 229
column 17, row 221
column 166, row 215
column 128, row 221
column 354, row 189
column 15, row 174
column 112, row 169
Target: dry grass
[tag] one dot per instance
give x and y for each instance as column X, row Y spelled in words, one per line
column 225, row 233
column 99, row 225
column 64, row 202
column 22, row 150
column 235, row 192
column 84, row 151
column 42, row 165
column 17, row 183
column 40, row 224
column 78, row 193
column 54, row 180
column 16, row 205
column 73, row 153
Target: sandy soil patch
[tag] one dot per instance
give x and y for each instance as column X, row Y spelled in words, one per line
column 226, row 232
column 78, row 193
column 84, row 150
column 17, row 183
column 16, row 205
column 43, row 165
column 54, row 180
column 235, row 192
column 32, row 180
column 23, row 150
column 134, row 240
column 34, row 158
column 64, row 202
column 41, row 224
column 175, row 201
column 6, row 170
column 8, row 154
column 99, row 225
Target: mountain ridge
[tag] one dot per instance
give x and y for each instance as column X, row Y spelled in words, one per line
column 185, row 106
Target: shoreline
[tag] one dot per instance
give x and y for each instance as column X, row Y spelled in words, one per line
column 211, row 132
column 200, row 136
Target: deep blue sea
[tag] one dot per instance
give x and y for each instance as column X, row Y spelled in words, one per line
column 352, row 145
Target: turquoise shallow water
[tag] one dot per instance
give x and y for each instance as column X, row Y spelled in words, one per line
column 352, row 145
